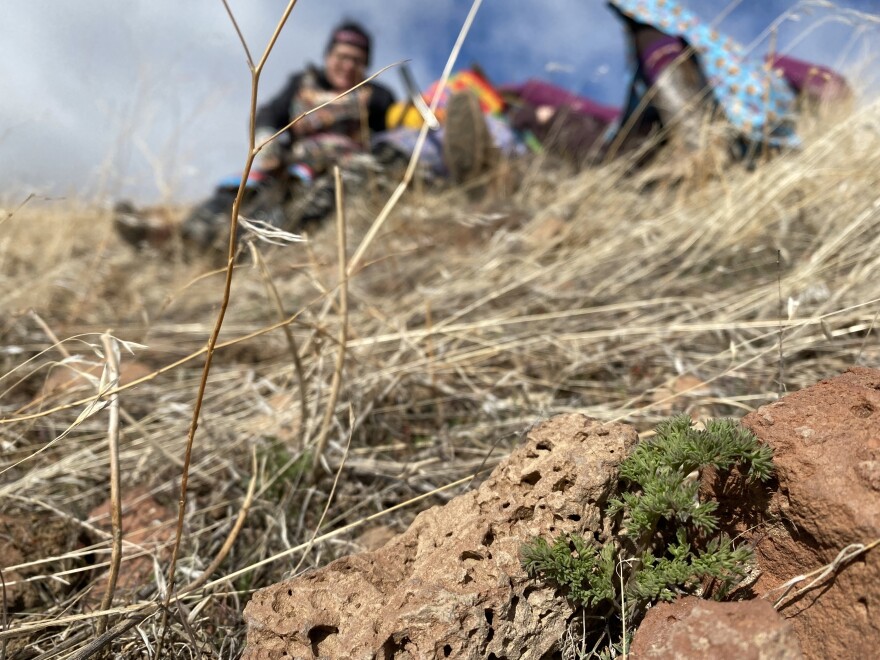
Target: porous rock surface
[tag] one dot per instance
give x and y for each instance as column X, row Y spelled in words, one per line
column 826, row 442
column 452, row 584
column 693, row 629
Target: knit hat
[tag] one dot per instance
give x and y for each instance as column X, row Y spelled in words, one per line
column 353, row 34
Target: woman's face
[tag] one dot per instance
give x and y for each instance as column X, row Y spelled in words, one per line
column 346, row 66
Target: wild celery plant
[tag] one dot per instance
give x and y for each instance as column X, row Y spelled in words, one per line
column 654, row 557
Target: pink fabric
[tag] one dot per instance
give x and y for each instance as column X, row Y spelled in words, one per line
column 351, row 38
column 538, row 93
column 661, row 53
column 812, row 80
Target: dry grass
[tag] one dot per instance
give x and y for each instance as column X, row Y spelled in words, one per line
column 465, row 326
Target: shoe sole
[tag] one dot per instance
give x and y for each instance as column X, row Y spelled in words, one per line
column 466, row 142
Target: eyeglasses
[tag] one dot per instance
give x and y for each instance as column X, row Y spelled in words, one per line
column 358, row 61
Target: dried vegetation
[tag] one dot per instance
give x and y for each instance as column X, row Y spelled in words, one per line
column 466, row 324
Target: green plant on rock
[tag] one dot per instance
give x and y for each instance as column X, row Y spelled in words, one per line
column 667, row 543
column 572, row 561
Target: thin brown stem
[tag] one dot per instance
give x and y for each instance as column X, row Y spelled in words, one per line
column 275, row 35
column 111, row 379
column 221, row 315
column 275, row 297
column 343, row 325
column 5, row 621
column 247, row 51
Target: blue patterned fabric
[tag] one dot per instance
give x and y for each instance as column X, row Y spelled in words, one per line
column 755, row 99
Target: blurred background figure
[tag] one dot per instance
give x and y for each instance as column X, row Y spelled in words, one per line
column 682, row 74
column 290, row 184
column 685, row 71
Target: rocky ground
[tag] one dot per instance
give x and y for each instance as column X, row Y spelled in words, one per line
column 452, row 584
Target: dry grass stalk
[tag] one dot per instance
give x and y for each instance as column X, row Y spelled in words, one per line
column 256, row 71
column 5, row 619
column 821, row 574
column 272, row 292
column 110, row 379
column 342, row 257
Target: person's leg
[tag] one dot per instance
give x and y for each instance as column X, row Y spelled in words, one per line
column 315, row 158
column 394, row 148
column 207, row 225
column 208, row 221
column 677, row 89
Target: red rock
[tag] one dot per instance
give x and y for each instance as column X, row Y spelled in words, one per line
column 25, row 539
column 826, row 440
column 694, row 629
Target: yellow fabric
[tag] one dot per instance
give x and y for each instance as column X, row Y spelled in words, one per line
column 404, row 115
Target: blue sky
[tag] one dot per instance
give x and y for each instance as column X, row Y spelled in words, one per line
column 588, row 37
column 148, row 98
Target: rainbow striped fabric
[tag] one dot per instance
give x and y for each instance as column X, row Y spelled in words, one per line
column 490, row 100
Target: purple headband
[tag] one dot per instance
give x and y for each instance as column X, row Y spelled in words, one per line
column 351, row 38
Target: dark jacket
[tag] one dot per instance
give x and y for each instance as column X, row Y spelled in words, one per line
column 310, row 88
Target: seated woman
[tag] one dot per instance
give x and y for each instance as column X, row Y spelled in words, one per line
column 291, row 182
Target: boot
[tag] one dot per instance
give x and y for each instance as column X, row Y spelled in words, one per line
column 310, row 205
column 680, row 93
column 205, row 226
column 141, row 228
column 467, row 143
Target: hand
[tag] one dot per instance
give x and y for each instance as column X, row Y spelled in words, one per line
column 544, row 113
column 269, row 157
column 267, row 160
